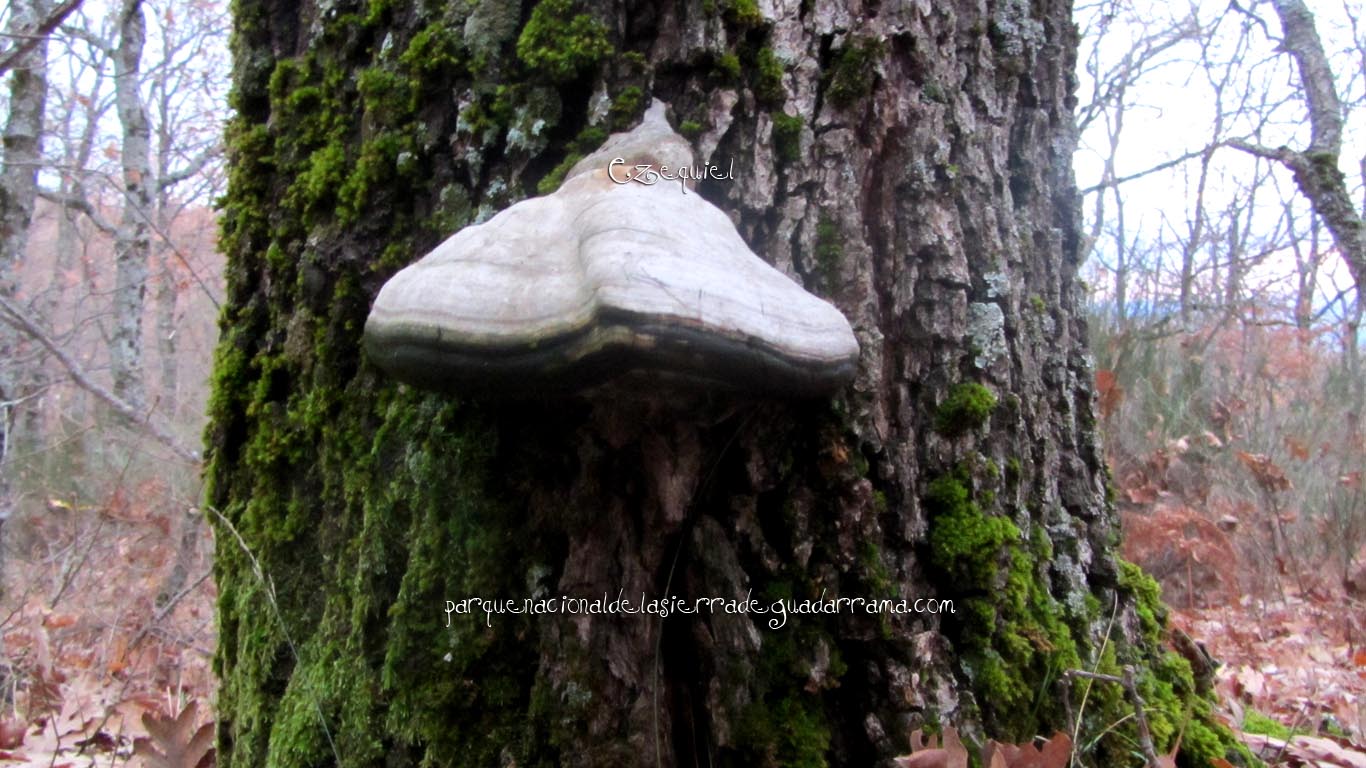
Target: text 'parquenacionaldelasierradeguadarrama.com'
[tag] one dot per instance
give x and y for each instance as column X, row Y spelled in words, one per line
column 663, row 607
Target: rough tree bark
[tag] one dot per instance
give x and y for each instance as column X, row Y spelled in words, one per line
column 908, row 160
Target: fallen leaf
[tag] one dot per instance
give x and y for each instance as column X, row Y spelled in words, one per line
column 181, row 745
column 1056, row 753
column 12, row 732
column 926, row 753
column 1270, row 477
column 1311, row 749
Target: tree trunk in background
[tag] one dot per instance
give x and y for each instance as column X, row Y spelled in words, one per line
column 18, row 193
column 166, row 297
column 132, row 243
column 909, row 161
column 167, row 292
column 1308, row 259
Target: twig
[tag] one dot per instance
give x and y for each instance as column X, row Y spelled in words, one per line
column 1067, row 693
column 1173, row 162
column 165, row 611
column 1130, row 683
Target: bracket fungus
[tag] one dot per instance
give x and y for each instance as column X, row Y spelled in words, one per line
column 602, row 279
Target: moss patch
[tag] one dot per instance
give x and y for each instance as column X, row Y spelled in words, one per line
column 829, row 251
column 787, row 137
column 589, row 139
column 968, row 406
column 728, row 67
column 1014, row 642
column 626, row 108
column 743, row 13
column 787, row 734
column 964, row 542
column 560, row 43
column 1256, row 722
column 1167, row 686
column 768, row 76
column 851, row 78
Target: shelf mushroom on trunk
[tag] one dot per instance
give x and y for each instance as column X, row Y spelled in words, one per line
column 609, row 276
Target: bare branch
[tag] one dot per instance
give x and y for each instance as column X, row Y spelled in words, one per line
column 1172, row 163
column 30, row 40
column 1302, row 42
column 80, row 205
column 18, row 319
column 211, row 153
column 1277, row 154
column 1316, row 169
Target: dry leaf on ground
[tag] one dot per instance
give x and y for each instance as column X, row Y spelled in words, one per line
column 1314, row 751
column 1054, row 754
column 928, row 754
column 175, row 743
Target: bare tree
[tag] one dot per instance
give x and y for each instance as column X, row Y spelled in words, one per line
column 157, row 159
column 135, row 145
column 132, row 245
column 1219, row 264
column 18, row 193
column 1192, row 257
column 26, row 60
column 185, row 115
column 1316, row 167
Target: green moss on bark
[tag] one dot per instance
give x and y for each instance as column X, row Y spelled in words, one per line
column 768, row 76
column 787, row 137
column 626, row 108
column 967, row 407
column 1015, row 639
column 829, row 251
column 743, row 13
column 560, row 43
column 851, row 77
column 728, row 67
column 319, row 473
column 589, row 139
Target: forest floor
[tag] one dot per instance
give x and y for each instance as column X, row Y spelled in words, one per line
column 100, row 675
column 1292, row 665
column 97, row 673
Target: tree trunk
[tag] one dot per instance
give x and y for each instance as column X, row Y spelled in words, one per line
column 18, row 194
column 167, row 291
column 132, row 242
column 908, row 161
